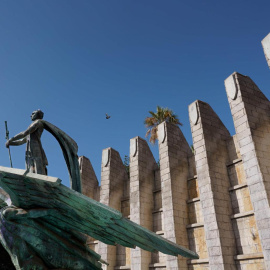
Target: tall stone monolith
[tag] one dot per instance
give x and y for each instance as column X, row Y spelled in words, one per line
column 113, row 177
column 251, row 115
column 211, row 156
column 89, row 182
column 174, row 153
column 142, row 172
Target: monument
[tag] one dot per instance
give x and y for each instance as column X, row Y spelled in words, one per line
column 35, row 158
column 44, row 225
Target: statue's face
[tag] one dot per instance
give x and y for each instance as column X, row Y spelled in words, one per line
column 34, row 115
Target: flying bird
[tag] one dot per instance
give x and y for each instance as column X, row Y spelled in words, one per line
column 108, row 116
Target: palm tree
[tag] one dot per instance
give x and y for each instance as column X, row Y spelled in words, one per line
column 151, row 122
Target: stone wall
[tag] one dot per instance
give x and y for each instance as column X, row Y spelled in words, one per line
column 213, row 200
column 174, row 153
column 251, row 115
column 90, row 188
column 142, row 173
column 211, row 155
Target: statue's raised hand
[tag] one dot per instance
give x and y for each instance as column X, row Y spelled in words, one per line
column 7, row 144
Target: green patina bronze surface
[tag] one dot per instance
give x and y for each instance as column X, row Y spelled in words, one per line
column 46, row 225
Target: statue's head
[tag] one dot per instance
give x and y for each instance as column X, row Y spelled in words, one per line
column 38, row 114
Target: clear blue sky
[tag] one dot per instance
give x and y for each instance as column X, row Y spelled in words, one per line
column 77, row 60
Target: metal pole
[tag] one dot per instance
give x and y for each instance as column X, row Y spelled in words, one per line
column 7, row 138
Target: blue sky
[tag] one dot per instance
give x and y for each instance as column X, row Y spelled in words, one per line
column 77, row 60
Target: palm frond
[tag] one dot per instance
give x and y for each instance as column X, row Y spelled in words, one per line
column 150, row 122
column 153, row 114
column 156, row 118
column 154, row 135
column 148, row 132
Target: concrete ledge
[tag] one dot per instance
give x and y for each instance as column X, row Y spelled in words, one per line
column 235, row 161
column 200, row 261
column 192, row 178
column 157, row 211
column 93, row 242
column 157, row 190
column 193, row 200
column 252, row 256
column 157, row 265
column 240, row 215
column 125, row 199
column 195, row 225
column 160, row 232
column 237, row 187
column 122, row 267
column 21, row 174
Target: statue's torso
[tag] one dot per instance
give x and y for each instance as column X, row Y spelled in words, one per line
column 36, row 159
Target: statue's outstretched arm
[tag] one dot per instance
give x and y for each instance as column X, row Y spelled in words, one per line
column 21, row 137
column 19, row 142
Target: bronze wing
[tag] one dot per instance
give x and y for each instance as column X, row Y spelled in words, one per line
column 75, row 212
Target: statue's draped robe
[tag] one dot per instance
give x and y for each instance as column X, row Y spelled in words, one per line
column 70, row 149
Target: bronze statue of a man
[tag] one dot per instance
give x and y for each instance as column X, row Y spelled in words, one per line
column 35, row 157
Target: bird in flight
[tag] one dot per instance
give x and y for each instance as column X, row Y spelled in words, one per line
column 108, row 116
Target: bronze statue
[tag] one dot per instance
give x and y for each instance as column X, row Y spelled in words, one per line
column 43, row 223
column 35, row 158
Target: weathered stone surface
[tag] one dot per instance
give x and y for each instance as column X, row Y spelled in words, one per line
column 90, row 185
column 211, row 156
column 113, row 178
column 266, row 48
column 142, row 167
column 174, row 172
column 193, row 113
column 251, row 116
column 247, row 238
column 231, row 88
column 198, row 242
column 90, row 188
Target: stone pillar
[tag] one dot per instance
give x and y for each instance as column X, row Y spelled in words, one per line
column 113, row 177
column 266, row 48
column 90, row 188
column 251, row 115
column 89, row 182
column 209, row 141
column 142, row 166
column 174, row 153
